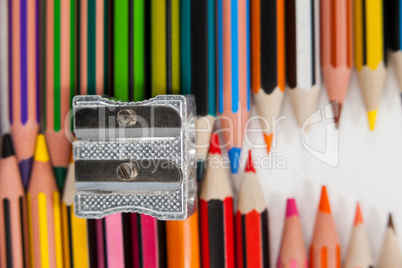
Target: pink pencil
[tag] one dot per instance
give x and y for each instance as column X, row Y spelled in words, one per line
column 292, row 252
column 114, row 241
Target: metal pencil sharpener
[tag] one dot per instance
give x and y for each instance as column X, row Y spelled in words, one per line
column 135, row 157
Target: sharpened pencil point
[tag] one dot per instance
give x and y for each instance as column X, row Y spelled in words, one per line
column 268, row 141
column 60, row 173
column 391, row 222
column 324, row 202
column 234, row 158
column 291, row 208
column 41, row 152
column 250, row 164
column 214, row 146
column 25, row 169
column 358, row 216
column 337, row 112
column 8, row 147
column 200, row 169
column 371, row 118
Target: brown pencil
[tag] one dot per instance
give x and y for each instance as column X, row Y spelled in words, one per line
column 391, row 252
column 325, row 251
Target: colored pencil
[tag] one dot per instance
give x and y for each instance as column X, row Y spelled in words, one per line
column 359, row 254
column 216, row 212
column 182, row 249
column 303, row 56
column 165, row 46
column 252, row 247
column 182, row 243
column 292, row 251
column 143, row 236
column 369, row 53
column 75, row 236
column 392, row 37
column 325, row 250
column 203, row 80
column 268, row 61
column 391, row 253
column 59, row 15
column 24, row 80
column 13, row 224
column 44, row 217
column 336, row 50
column 92, row 52
column 233, row 74
column 4, row 115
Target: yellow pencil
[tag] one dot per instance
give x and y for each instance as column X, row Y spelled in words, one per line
column 369, row 53
column 44, row 211
column 75, row 236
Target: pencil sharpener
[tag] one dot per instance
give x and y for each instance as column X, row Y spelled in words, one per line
column 135, row 156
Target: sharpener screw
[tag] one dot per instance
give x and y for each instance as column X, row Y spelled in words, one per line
column 127, row 171
column 126, row 118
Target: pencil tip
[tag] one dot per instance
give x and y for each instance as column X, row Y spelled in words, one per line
column 268, row 141
column 25, row 169
column 8, row 147
column 390, row 222
column 41, row 153
column 291, row 208
column 234, row 158
column 358, row 216
column 60, row 173
column 214, row 146
column 324, row 202
column 337, row 108
column 200, row 169
column 371, row 118
column 250, row 164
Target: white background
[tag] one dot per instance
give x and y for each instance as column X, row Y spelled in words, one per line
column 369, row 169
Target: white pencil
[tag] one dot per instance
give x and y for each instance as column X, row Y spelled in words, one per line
column 303, row 56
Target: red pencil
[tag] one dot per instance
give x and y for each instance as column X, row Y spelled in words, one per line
column 251, row 222
column 216, row 212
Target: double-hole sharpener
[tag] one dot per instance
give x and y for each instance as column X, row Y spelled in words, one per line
column 135, row 156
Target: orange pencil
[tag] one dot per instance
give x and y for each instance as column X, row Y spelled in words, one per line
column 336, row 50
column 182, row 243
column 325, row 251
column 44, row 220
column 13, row 229
column 359, row 254
column 268, row 61
column 292, row 253
column 391, row 252
column 251, row 220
